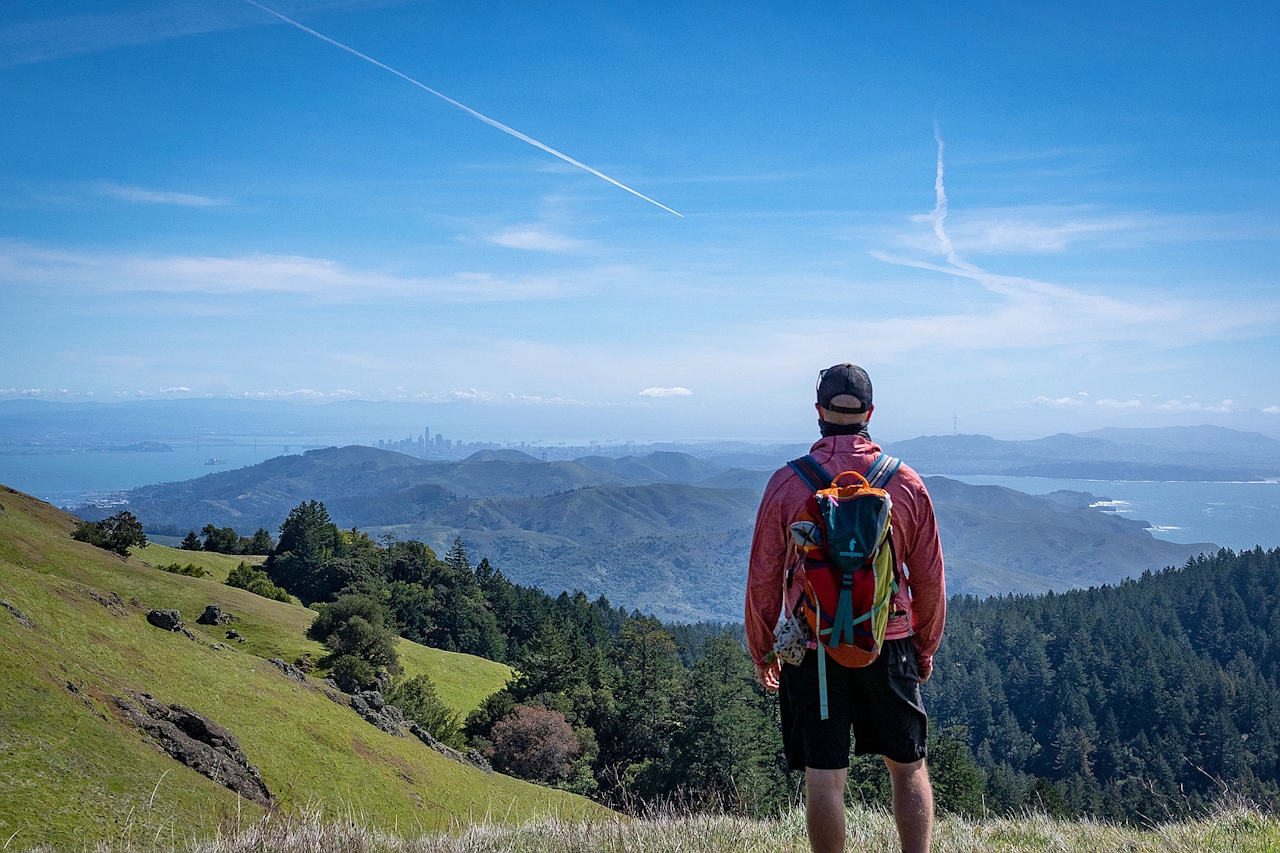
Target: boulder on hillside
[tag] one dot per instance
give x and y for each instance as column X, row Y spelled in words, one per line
column 370, row 705
column 213, row 615
column 168, row 620
column 289, row 670
column 198, row 742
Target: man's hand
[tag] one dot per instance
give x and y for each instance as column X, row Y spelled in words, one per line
column 767, row 675
column 924, row 674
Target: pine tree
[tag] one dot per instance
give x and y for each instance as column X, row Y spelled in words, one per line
column 191, row 542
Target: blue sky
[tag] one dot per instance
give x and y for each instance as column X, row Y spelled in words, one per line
column 197, row 199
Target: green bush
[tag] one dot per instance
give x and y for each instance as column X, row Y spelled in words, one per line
column 418, row 700
column 357, row 625
column 190, row 570
column 245, row 576
column 353, row 674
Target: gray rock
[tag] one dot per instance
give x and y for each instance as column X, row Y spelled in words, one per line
column 17, row 614
column 233, row 634
column 472, row 756
column 289, row 670
column 331, row 683
column 168, row 620
column 190, row 635
column 213, row 615
column 370, row 705
column 198, row 742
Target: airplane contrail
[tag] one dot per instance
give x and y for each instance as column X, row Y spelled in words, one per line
column 484, row 118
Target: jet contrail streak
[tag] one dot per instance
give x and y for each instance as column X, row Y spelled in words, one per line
column 484, row 118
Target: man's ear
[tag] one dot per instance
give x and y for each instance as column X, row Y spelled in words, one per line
column 871, row 408
column 818, row 408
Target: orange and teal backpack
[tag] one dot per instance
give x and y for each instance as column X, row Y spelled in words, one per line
column 843, row 541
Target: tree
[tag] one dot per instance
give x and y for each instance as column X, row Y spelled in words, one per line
column 357, row 625
column 191, row 542
column 309, row 540
column 221, row 540
column 260, row 543
column 418, row 700
column 117, row 533
column 534, row 743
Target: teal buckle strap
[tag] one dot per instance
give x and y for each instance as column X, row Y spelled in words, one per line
column 842, row 625
column 822, row 681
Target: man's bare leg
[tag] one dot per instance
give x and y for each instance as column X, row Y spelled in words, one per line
column 824, row 809
column 912, row 804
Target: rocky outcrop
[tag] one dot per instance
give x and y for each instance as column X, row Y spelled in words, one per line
column 214, row 615
column 375, row 710
column 17, row 614
column 471, row 756
column 196, row 741
column 168, row 620
column 289, row 670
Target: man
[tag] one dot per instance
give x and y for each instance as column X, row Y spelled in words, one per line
column 881, row 702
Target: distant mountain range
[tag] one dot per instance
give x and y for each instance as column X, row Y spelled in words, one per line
column 666, row 532
column 1203, row 453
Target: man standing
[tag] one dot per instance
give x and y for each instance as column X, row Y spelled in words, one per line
column 880, row 702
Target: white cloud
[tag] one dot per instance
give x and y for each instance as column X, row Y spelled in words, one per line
column 142, row 195
column 176, row 389
column 1272, row 410
column 666, row 392
column 25, row 264
column 1108, row 403
column 1194, row 406
column 1056, row 403
column 534, row 238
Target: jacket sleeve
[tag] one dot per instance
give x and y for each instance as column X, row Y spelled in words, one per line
column 926, row 581
column 764, row 576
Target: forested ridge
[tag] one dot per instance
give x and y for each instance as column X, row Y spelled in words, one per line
column 1143, row 701
column 1147, row 699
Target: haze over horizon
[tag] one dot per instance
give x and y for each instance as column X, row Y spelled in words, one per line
column 1033, row 220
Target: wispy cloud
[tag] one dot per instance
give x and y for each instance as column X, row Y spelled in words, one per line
column 53, row 38
column 666, row 392
column 534, row 238
column 1272, row 410
column 142, row 195
column 1033, row 313
column 175, row 389
column 24, row 264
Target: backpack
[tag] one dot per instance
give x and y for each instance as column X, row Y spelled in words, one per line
column 842, row 539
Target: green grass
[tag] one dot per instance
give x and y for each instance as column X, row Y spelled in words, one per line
column 74, row 775
column 1237, row 830
column 218, row 565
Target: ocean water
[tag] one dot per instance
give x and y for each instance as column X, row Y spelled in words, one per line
column 66, row 478
column 1232, row 515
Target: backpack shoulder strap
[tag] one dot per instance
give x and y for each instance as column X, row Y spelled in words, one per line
column 809, row 470
column 882, row 470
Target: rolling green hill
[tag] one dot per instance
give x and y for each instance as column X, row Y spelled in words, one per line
column 676, row 549
column 73, row 773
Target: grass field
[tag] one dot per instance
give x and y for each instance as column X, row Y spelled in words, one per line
column 1236, row 830
column 73, row 775
column 218, row 565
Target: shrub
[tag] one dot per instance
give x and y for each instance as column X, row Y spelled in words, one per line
column 353, row 674
column 357, row 625
column 118, row 533
column 418, row 700
column 191, row 570
column 245, row 576
column 534, row 743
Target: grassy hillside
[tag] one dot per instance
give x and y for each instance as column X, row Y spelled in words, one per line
column 217, row 565
column 73, row 774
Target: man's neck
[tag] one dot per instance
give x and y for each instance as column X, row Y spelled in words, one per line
column 829, row 429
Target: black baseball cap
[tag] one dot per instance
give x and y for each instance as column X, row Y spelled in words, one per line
column 844, row 389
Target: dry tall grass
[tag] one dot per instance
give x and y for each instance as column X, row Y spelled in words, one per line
column 1233, row 830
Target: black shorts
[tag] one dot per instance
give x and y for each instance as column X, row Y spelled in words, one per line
column 881, row 703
